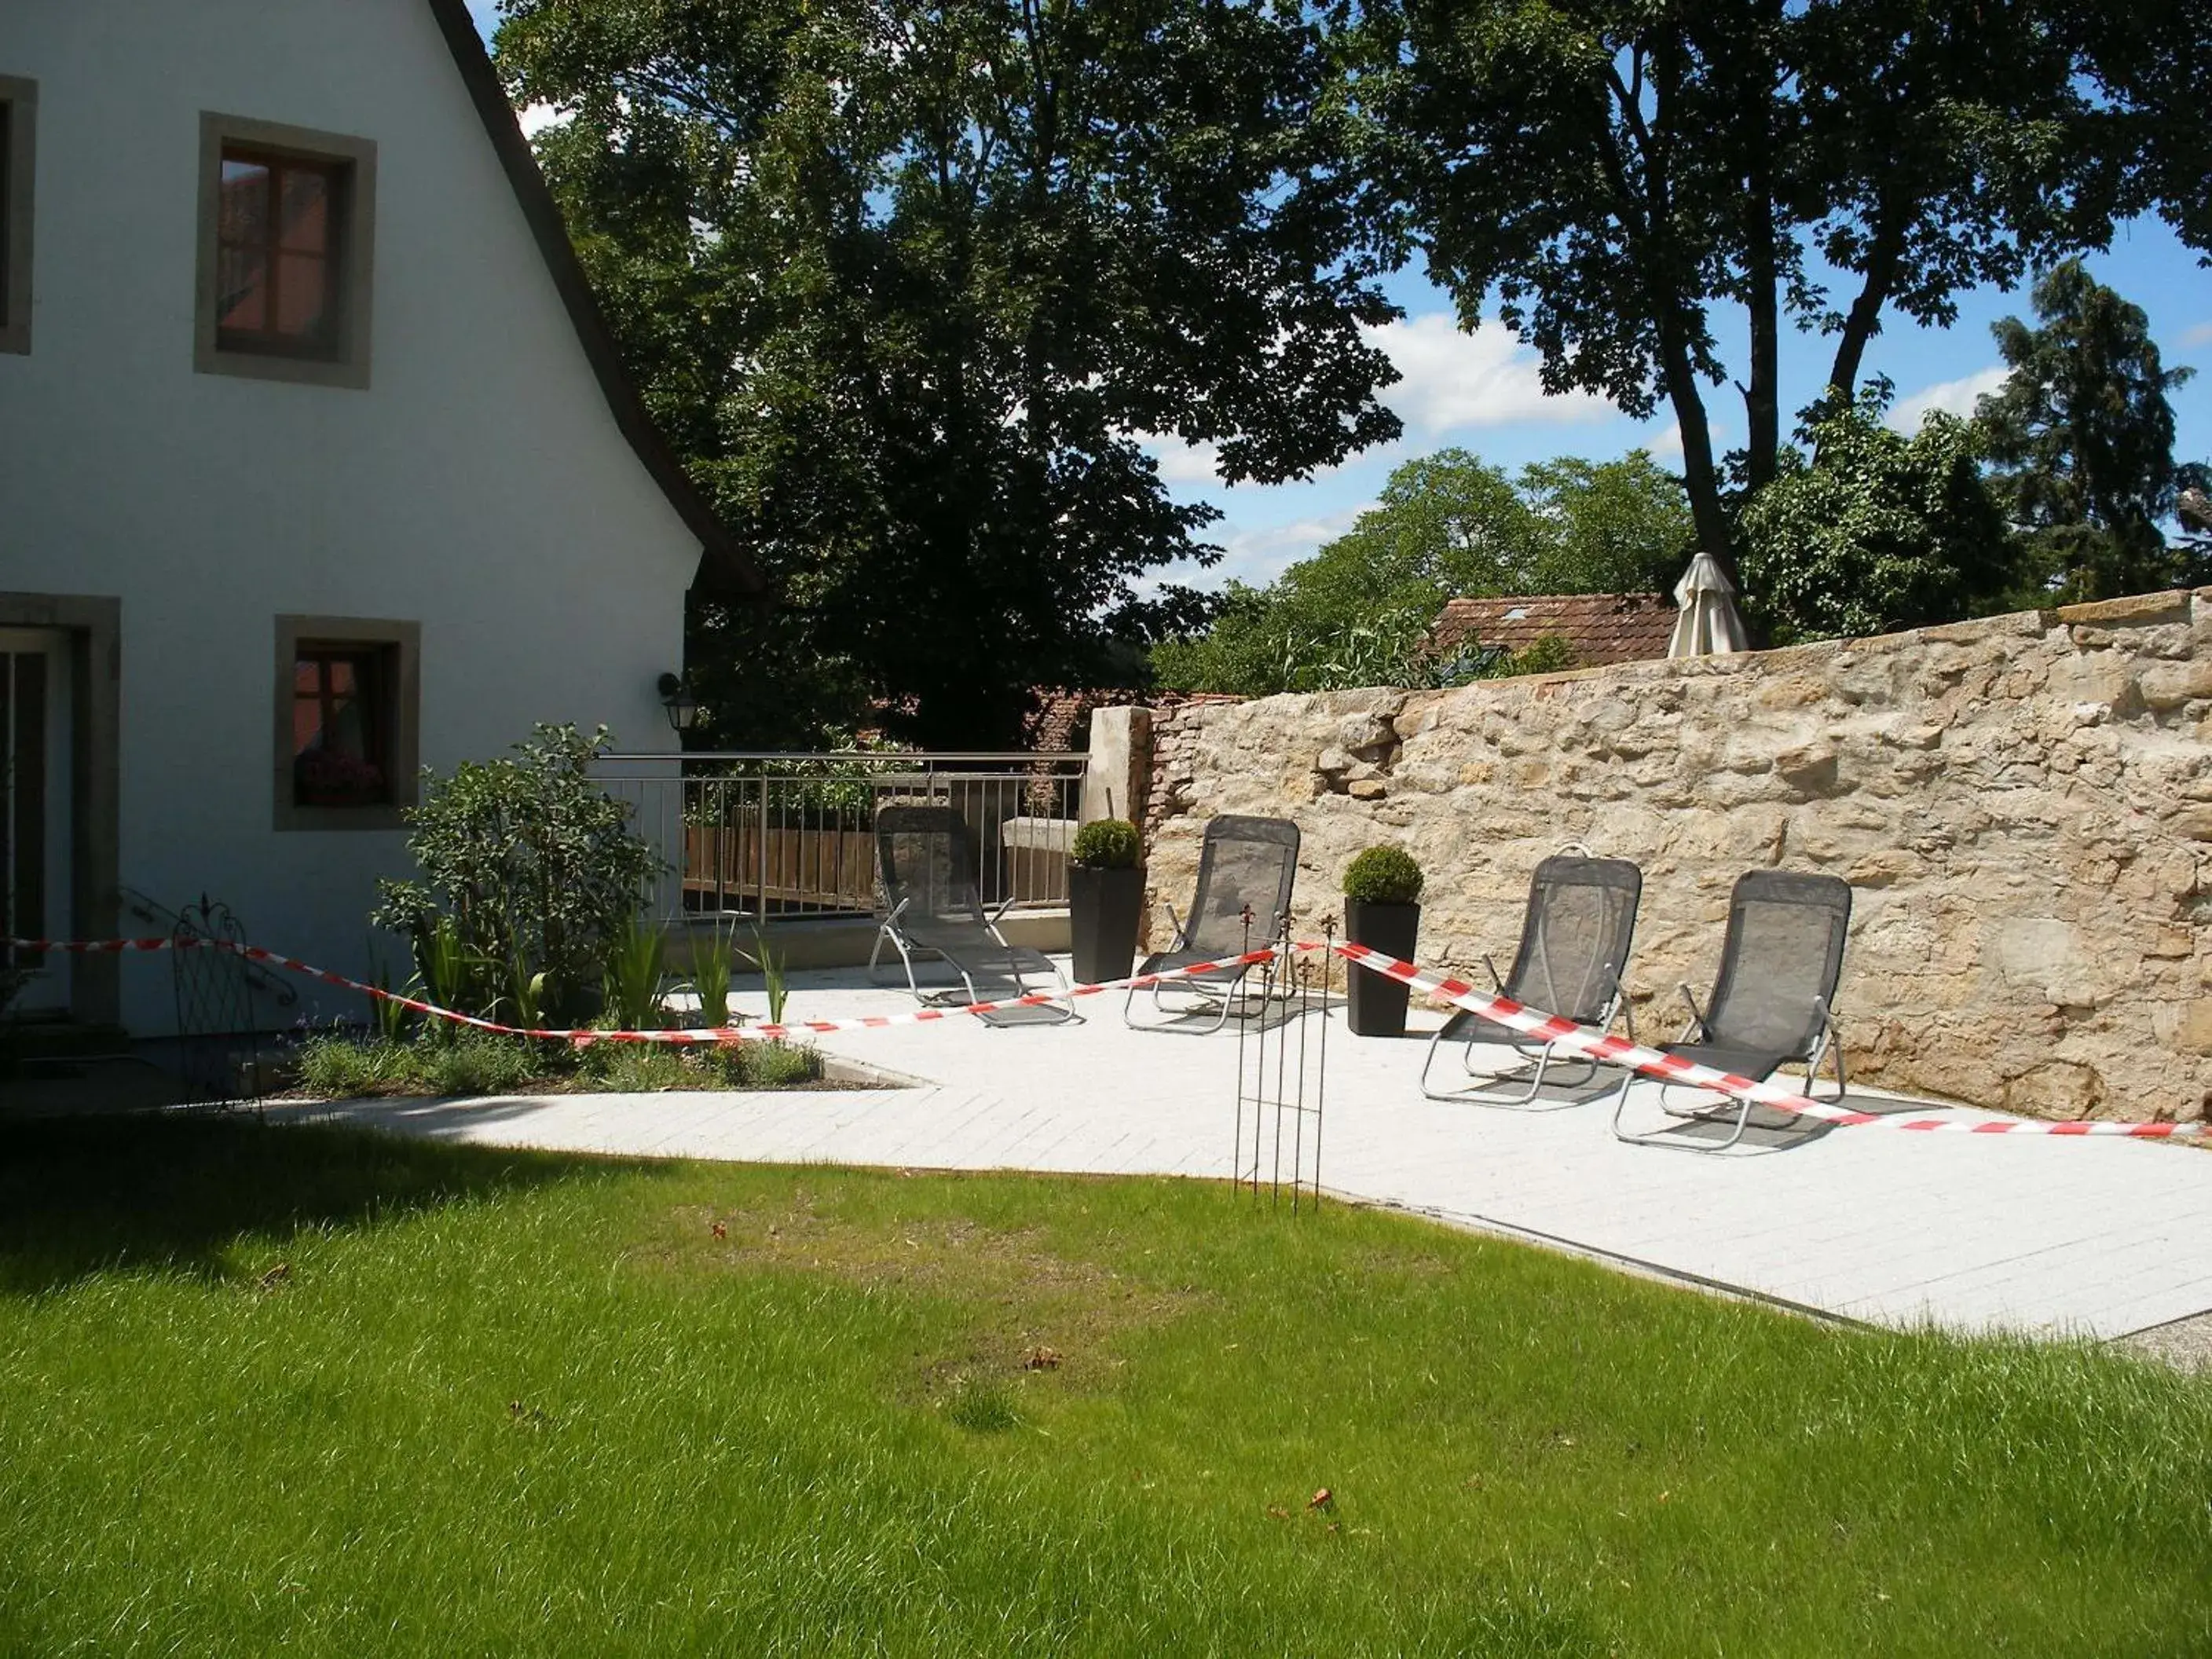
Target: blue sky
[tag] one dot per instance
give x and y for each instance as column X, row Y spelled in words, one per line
column 1479, row 392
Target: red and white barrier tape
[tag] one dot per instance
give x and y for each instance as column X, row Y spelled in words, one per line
column 1669, row 1068
column 583, row 1037
column 1534, row 1022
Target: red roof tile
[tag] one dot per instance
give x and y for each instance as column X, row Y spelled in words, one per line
column 1598, row 627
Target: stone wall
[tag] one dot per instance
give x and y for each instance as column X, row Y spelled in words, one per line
column 2023, row 806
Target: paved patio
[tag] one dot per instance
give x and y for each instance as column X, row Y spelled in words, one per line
column 2096, row 1237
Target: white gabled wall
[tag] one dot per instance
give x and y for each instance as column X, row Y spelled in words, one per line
column 480, row 486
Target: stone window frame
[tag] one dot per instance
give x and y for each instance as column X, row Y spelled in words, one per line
column 19, row 110
column 346, row 365
column 404, row 641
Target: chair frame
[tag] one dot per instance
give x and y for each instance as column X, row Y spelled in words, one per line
column 889, row 932
column 1221, row 994
column 1826, row 1043
column 1617, row 1007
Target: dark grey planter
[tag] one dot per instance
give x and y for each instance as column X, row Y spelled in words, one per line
column 1104, row 907
column 1378, row 1005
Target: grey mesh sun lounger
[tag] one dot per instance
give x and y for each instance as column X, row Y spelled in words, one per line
column 926, row 862
column 1245, row 869
column 1780, row 963
column 1574, row 936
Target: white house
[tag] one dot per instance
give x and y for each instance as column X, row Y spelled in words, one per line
column 316, row 464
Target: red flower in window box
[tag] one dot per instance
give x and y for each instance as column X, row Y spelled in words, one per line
column 324, row 777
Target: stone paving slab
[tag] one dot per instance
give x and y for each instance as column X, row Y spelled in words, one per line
column 2093, row 1237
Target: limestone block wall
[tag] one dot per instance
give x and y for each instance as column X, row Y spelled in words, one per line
column 2023, row 806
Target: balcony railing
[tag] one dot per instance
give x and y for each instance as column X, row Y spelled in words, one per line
column 768, row 836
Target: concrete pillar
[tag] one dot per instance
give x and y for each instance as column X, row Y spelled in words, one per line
column 1121, row 772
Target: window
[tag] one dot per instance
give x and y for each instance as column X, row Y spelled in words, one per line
column 342, row 723
column 275, row 259
column 286, row 252
column 346, row 722
column 19, row 108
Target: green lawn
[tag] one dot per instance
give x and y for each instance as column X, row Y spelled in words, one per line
column 269, row 1388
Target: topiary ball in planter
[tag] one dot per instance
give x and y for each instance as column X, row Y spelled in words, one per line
column 1105, row 899
column 1108, row 844
column 1382, row 911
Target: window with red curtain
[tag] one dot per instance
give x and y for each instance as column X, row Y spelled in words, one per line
column 277, row 253
column 341, row 725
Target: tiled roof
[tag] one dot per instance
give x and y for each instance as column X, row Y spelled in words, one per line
column 1598, row 627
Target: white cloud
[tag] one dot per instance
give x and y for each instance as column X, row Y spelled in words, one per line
column 534, row 118
column 1453, row 378
column 1953, row 396
column 1261, row 553
column 2198, row 336
column 1668, row 445
column 1451, row 381
column 1179, row 462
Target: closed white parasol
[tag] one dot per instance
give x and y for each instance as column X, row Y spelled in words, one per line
column 1708, row 625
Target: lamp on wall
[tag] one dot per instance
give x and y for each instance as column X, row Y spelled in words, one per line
column 676, row 697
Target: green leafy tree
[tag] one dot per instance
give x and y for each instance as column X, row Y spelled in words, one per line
column 908, row 279
column 1617, row 526
column 1613, row 178
column 529, row 869
column 1880, row 533
column 1359, row 611
column 2081, row 435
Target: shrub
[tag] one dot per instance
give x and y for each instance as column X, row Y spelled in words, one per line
column 774, row 982
column 633, row 955
column 534, row 866
column 773, row 1065
column 1383, row 875
column 710, row 977
column 636, row 1069
column 1108, row 844
column 479, row 1064
column 340, row 1066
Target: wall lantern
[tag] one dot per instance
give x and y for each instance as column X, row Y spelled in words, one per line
column 676, row 697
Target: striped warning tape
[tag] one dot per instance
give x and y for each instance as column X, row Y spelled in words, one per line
column 1669, row 1068
column 585, row 1036
column 1504, row 1011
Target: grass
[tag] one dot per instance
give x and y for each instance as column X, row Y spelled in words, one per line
column 341, row 1066
column 308, row 1389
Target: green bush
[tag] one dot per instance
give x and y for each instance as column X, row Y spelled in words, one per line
column 1108, row 844
column 342, row 1067
column 775, row 1065
column 711, row 970
column 1383, row 875
column 633, row 972
column 532, row 865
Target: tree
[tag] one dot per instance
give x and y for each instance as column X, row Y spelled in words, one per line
column 1617, row 526
column 529, row 870
column 1619, row 178
column 1880, row 532
column 1450, row 524
column 1359, row 611
column 2081, row 435
column 908, row 279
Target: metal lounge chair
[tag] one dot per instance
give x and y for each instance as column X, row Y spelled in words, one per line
column 926, row 864
column 1574, row 936
column 1245, row 866
column 1772, row 1003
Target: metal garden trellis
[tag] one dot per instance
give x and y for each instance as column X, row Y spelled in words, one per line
column 1282, row 1072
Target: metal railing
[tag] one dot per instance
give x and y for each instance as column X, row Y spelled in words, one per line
column 767, row 836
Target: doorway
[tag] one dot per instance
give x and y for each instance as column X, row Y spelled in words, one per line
column 36, row 789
